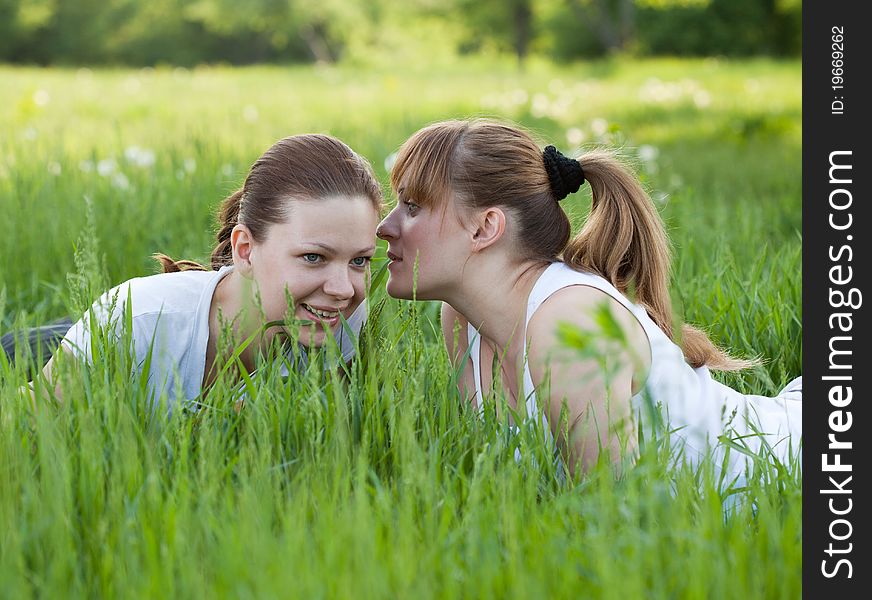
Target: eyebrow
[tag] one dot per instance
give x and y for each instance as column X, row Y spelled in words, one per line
column 331, row 250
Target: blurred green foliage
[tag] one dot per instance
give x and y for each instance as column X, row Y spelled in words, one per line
column 188, row 32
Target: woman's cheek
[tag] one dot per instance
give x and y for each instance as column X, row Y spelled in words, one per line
column 360, row 279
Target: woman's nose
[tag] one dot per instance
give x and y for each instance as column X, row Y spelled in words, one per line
column 339, row 285
column 386, row 229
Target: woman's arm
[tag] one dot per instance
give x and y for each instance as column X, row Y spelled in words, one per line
column 454, row 332
column 589, row 354
column 50, row 380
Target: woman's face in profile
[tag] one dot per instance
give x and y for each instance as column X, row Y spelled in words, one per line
column 426, row 250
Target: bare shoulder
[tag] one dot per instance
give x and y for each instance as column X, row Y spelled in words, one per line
column 595, row 318
column 583, row 347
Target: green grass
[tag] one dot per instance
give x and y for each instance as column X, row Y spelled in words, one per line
column 384, row 486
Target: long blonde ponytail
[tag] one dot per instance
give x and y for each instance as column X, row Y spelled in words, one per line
column 624, row 241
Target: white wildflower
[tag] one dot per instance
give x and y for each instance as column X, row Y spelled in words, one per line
column 120, row 181
column 106, row 167
column 390, row 160
column 560, row 107
column 648, row 153
column 250, row 114
column 139, row 157
column 599, row 127
column 41, row 97
column 519, row 96
column 575, row 136
column 540, row 106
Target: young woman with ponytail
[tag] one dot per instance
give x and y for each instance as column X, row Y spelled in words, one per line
column 478, row 225
column 301, row 227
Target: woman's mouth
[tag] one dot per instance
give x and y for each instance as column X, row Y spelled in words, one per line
column 326, row 315
column 394, row 258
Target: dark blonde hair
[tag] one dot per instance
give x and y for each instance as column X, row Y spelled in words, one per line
column 307, row 166
column 485, row 163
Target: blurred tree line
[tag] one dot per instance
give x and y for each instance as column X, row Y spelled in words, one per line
column 186, row 32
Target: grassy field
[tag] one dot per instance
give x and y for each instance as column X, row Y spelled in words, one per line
column 386, row 486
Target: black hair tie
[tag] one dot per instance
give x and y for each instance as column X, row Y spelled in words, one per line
column 565, row 174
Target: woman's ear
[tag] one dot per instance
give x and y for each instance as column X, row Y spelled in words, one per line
column 490, row 226
column 241, row 242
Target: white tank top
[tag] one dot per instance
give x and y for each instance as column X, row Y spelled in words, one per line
column 696, row 408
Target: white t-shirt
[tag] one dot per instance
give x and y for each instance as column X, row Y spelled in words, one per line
column 170, row 316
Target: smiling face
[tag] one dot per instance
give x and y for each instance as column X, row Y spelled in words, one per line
column 319, row 256
column 426, row 249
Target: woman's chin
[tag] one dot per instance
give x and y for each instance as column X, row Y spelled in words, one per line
column 399, row 289
column 311, row 339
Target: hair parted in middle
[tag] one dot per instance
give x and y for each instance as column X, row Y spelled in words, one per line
column 300, row 167
column 482, row 163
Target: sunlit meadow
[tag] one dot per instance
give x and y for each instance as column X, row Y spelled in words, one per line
column 379, row 483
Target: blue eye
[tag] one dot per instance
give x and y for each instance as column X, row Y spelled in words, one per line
column 312, row 257
column 361, row 261
column 411, row 206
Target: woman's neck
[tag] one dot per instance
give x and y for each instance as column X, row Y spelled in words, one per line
column 231, row 306
column 493, row 298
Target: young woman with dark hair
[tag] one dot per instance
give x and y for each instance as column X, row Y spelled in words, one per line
column 300, row 228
